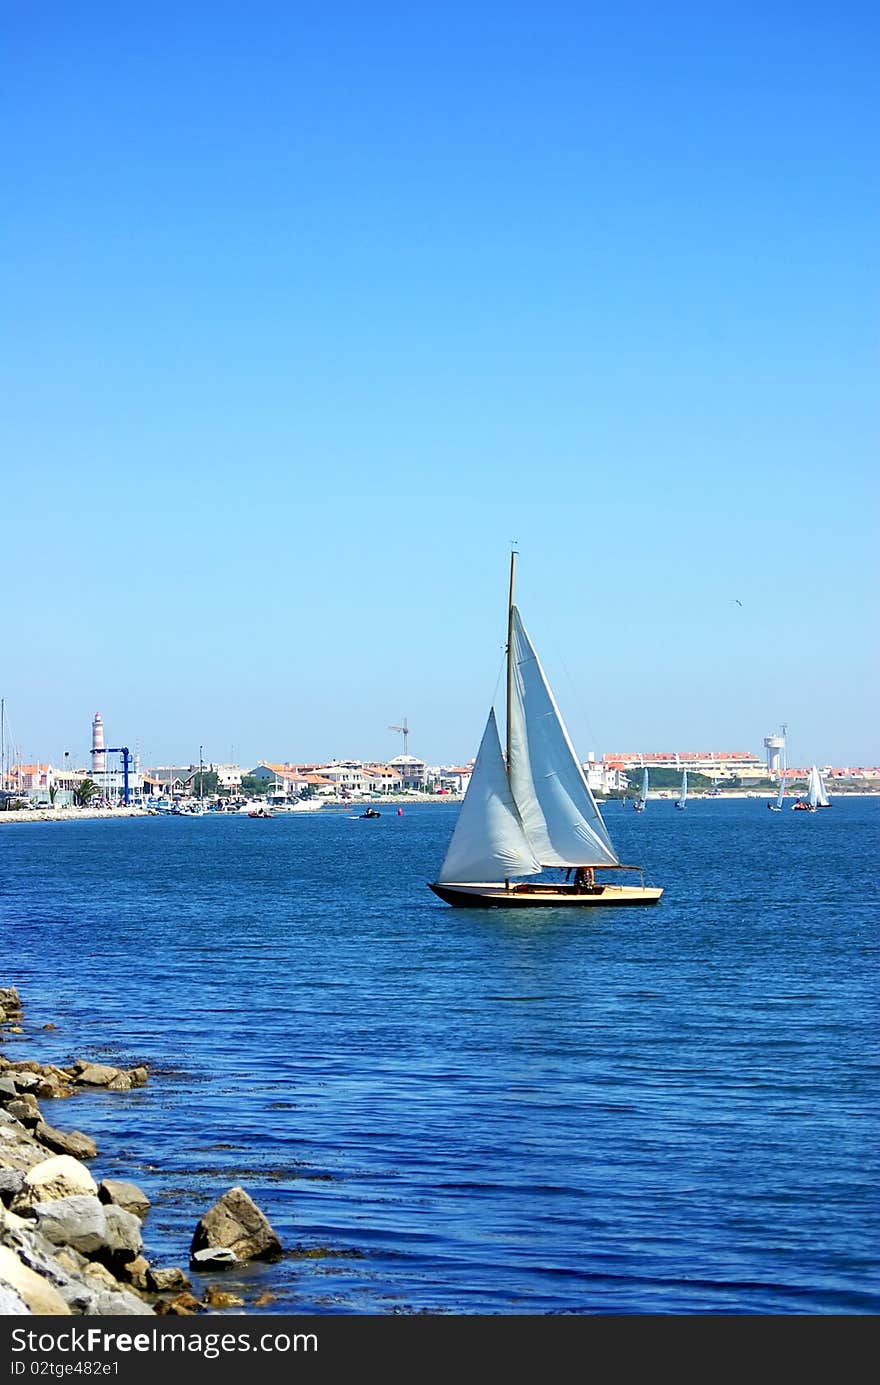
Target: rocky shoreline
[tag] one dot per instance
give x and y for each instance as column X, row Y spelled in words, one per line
column 71, row 1244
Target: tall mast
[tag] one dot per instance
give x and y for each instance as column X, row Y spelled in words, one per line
column 510, row 654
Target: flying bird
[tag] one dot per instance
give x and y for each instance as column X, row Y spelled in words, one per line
column 738, row 602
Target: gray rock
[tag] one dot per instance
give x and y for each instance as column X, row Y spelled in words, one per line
column 127, row 1195
column 72, row 1142
column 97, row 1075
column 121, row 1302
column 11, row 1302
column 27, row 1081
column 48, row 1087
column 123, row 1232
column 11, row 1183
column 236, row 1223
column 10, row 1004
column 173, row 1278
column 40, row 1296
column 23, row 1112
column 98, row 1298
column 18, row 1148
column 79, row 1221
column 8, row 1089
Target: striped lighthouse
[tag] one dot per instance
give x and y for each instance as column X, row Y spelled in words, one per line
column 98, row 757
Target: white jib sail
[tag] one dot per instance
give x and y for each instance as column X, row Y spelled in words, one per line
column 684, row 787
column 822, row 799
column 644, row 794
column 814, row 790
column 488, row 842
column 558, row 812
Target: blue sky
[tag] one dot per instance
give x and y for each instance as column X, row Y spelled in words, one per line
column 312, row 308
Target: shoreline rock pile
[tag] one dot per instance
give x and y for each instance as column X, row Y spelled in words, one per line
column 72, row 1245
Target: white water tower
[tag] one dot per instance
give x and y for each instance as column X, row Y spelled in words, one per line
column 775, row 747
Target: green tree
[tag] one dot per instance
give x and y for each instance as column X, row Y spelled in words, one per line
column 250, row 784
column 206, row 782
column 84, row 792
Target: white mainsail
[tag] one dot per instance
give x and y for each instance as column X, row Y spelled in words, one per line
column 781, row 794
column 559, row 815
column 682, row 797
column 815, row 790
column 822, row 796
column 488, row 841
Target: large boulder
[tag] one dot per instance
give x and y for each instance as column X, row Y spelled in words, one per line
column 124, row 1240
column 38, row 1294
column 79, row 1221
column 18, row 1148
column 236, row 1223
column 107, row 1233
column 61, row 1176
column 72, row 1142
column 97, row 1075
column 127, row 1195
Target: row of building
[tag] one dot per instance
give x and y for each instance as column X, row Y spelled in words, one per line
column 334, row 779
column 116, row 780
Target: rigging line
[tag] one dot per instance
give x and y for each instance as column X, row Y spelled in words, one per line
column 579, row 705
column 501, row 670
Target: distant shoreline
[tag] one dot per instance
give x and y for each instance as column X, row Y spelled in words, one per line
column 332, row 804
column 395, row 800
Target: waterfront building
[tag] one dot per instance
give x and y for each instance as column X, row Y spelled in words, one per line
column 454, row 778
column 288, row 777
column 412, row 771
column 382, row 779
column 228, row 777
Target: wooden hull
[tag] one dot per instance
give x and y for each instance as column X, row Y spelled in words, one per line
column 529, row 896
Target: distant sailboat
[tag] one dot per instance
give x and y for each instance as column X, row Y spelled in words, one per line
column 683, row 792
column 816, row 796
column 642, row 799
column 777, row 806
column 530, row 809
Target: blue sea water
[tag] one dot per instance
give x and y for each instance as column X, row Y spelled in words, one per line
column 651, row 1110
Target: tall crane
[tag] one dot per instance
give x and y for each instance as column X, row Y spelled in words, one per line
column 405, row 729
column 124, row 751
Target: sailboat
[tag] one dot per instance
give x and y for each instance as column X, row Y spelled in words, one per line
column 531, row 809
column 642, row 799
column 816, row 796
column 681, row 802
column 777, row 806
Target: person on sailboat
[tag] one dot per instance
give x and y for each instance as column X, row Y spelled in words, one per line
column 584, row 878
